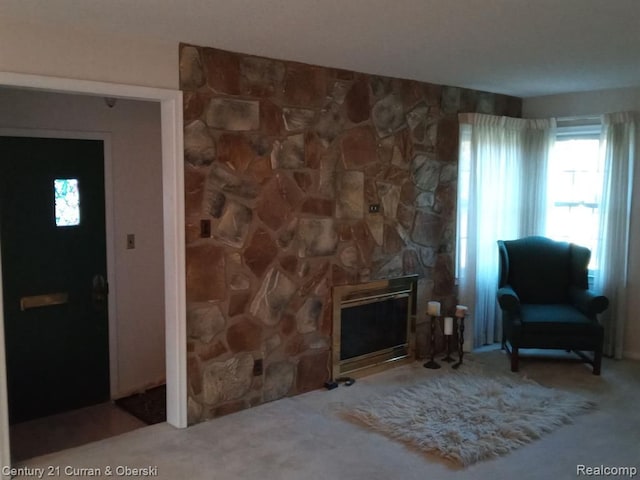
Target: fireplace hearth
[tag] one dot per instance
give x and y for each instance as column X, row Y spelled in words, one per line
column 373, row 325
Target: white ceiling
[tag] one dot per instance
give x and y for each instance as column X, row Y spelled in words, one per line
column 518, row 47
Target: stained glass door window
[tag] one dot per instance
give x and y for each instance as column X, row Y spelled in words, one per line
column 67, row 197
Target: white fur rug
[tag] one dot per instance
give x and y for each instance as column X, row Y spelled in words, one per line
column 468, row 418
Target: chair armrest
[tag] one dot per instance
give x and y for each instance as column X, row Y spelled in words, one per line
column 508, row 299
column 587, row 301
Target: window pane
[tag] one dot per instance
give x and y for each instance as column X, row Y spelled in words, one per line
column 464, row 180
column 67, row 199
column 575, row 189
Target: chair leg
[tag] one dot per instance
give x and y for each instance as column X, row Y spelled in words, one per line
column 597, row 362
column 514, row 358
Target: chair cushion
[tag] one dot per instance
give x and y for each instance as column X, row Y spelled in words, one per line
column 556, row 319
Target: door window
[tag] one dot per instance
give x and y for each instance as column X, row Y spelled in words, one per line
column 67, row 198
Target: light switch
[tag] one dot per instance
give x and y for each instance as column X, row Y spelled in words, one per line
column 131, row 241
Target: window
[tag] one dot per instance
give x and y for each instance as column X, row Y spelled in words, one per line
column 544, row 177
column 575, row 184
column 67, row 202
column 464, row 175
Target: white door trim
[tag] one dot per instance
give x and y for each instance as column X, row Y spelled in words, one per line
column 174, row 242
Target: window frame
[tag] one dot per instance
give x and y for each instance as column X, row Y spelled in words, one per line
column 570, row 130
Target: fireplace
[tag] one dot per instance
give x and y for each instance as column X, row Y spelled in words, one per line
column 373, row 325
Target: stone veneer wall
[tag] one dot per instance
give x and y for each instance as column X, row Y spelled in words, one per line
column 283, row 159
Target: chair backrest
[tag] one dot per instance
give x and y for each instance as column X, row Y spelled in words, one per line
column 541, row 270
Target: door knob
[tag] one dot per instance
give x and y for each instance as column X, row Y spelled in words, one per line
column 99, row 291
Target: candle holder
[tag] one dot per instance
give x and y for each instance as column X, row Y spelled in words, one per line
column 432, row 364
column 448, row 333
column 461, row 312
column 448, row 358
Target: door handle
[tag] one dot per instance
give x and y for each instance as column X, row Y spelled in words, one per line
column 99, row 290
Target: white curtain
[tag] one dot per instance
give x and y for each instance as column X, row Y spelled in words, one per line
column 501, row 196
column 618, row 145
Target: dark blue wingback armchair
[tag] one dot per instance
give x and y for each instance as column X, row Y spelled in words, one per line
column 544, row 296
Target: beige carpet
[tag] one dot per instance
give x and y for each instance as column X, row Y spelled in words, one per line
column 468, row 418
column 304, row 437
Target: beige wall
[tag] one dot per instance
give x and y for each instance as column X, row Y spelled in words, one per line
column 597, row 102
column 82, row 54
column 136, row 169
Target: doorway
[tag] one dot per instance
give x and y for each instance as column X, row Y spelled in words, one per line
column 173, row 233
column 130, row 133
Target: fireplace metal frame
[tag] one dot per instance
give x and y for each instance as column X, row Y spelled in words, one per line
column 365, row 293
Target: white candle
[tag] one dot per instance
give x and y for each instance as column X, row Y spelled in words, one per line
column 433, row 309
column 461, row 311
column 448, row 325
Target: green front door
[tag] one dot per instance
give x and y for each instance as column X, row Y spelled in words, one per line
column 54, row 271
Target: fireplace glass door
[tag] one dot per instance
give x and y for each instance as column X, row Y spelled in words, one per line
column 374, row 327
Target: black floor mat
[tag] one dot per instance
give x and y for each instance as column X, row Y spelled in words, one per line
column 150, row 406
